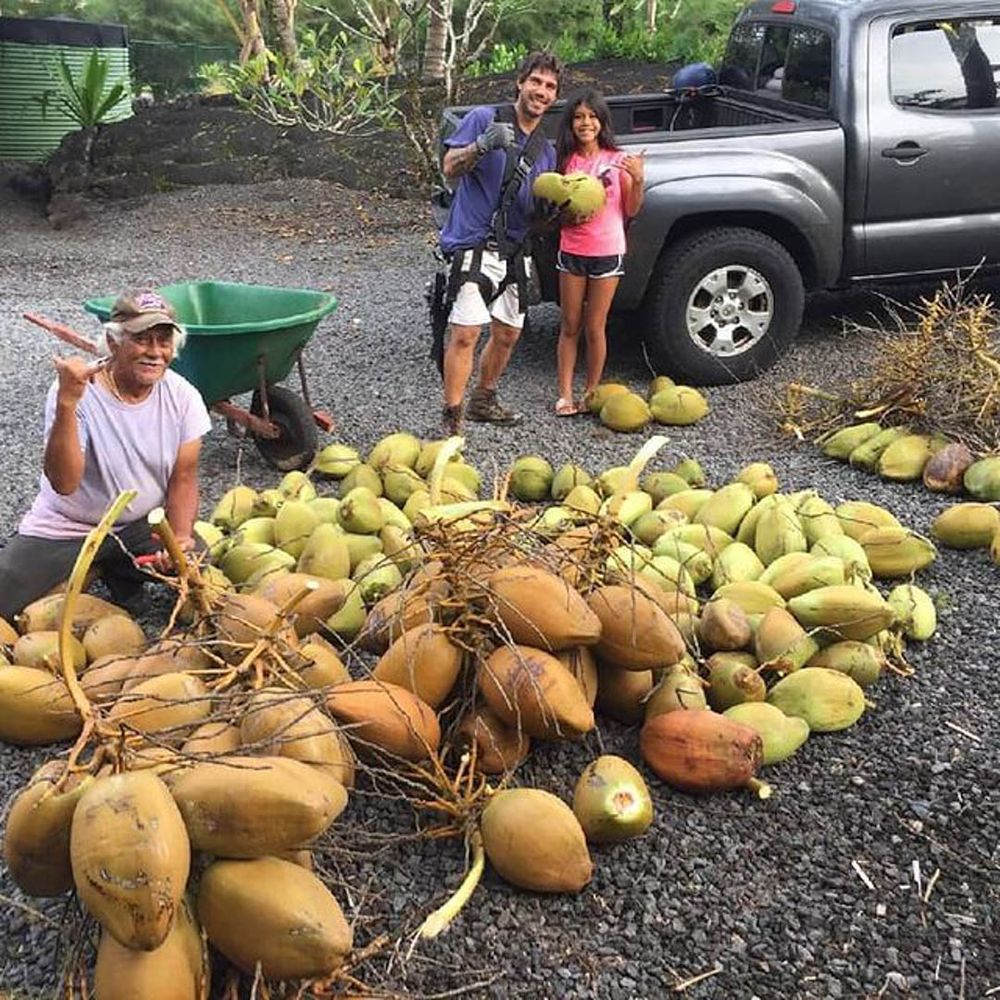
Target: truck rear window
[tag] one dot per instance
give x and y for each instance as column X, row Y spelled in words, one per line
column 946, row 65
column 788, row 61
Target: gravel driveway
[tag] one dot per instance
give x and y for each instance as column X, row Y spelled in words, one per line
column 875, row 868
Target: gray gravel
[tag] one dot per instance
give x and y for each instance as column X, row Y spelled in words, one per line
column 766, row 895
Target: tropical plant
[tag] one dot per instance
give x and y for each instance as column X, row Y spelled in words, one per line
column 327, row 87
column 88, row 98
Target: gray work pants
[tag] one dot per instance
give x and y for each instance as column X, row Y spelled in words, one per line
column 30, row 567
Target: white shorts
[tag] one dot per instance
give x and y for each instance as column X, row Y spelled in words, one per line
column 469, row 309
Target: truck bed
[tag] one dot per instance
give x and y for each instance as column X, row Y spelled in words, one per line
column 673, row 111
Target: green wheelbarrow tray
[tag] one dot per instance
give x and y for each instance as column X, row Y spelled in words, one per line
column 246, row 338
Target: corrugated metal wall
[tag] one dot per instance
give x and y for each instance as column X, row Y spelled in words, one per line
column 26, row 73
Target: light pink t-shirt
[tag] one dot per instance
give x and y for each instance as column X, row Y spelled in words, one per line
column 127, row 446
column 604, row 234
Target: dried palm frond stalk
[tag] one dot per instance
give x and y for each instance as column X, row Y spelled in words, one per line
column 936, row 370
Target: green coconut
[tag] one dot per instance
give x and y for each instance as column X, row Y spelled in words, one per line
column 626, row 412
column 611, row 801
column 678, row 405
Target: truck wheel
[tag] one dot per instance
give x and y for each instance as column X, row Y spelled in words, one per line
column 722, row 306
column 296, row 445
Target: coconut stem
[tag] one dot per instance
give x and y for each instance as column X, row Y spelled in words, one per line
column 643, row 457
column 760, row 788
column 435, row 480
column 268, row 635
column 186, row 570
column 87, row 554
column 442, row 917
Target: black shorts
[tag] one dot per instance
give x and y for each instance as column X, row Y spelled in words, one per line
column 591, row 267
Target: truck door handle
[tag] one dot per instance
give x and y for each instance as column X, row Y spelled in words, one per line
column 906, row 151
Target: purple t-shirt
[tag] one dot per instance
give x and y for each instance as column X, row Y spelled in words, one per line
column 477, row 196
column 127, row 446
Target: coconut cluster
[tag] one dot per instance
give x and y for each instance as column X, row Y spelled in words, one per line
column 378, row 622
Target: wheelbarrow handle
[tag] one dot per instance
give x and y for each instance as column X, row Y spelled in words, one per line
column 65, row 333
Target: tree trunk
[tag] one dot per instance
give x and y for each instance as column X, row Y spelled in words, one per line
column 651, row 15
column 284, row 24
column 253, row 37
column 437, row 35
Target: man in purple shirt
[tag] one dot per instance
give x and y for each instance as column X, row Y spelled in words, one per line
column 490, row 269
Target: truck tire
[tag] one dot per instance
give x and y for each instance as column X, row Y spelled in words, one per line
column 723, row 305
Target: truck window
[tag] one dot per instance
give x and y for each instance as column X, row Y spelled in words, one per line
column 771, row 71
column 808, row 67
column 946, row 65
column 792, row 62
column 739, row 67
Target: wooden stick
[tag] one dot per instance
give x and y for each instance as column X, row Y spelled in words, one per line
column 687, row 983
column 65, row 333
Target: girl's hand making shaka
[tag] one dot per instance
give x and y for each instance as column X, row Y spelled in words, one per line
column 634, row 166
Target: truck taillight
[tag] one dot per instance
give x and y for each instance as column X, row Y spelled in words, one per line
column 783, row 7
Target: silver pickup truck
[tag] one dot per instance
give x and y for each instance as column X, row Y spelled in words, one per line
column 846, row 142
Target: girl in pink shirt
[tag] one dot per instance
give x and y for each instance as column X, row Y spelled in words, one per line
column 591, row 251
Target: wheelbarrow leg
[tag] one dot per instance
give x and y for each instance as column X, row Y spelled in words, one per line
column 323, row 419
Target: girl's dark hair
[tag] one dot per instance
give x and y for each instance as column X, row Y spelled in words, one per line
column 566, row 141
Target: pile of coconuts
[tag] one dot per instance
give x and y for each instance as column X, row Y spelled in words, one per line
column 378, row 614
column 619, row 408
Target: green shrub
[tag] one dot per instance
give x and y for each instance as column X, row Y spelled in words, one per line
column 87, row 99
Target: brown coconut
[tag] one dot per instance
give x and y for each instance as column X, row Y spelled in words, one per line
column 177, row 970
column 622, row 694
column 701, row 751
column 213, row 739
column 321, row 664
column 541, row 610
column 582, row 664
column 394, row 614
column 945, row 469
column 36, row 838
column 168, row 705
column 532, row 691
column 102, row 681
column 499, row 747
column 386, row 717
column 535, row 842
column 313, row 610
column 274, row 913
column 46, row 613
column 724, row 625
column 113, row 634
column 422, row 660
column 281, row 724
column 246, row 807
column 41, row 650
column 130, row 856
column 635, row 632
column 35, row 708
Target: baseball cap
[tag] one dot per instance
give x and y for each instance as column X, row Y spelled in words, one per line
column 141, row 310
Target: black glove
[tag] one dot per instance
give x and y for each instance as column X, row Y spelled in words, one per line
column 499, row 135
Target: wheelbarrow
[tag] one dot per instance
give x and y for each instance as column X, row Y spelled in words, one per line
column 246, row 338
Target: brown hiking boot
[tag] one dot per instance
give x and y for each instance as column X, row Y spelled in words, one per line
column 451, row 420
column 485, row 408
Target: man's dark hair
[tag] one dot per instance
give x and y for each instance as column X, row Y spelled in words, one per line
column 547, row 62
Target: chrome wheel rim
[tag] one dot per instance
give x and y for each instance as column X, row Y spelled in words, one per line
column 730, row 310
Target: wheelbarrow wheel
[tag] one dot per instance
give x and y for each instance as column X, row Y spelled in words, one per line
column 295, row 447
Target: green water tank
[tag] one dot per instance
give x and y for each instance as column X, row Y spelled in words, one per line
column 30, row 52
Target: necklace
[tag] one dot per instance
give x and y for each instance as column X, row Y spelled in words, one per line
column 116, row 392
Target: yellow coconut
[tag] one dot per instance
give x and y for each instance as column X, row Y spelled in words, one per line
column 246, row 807
column 130, row 856
column 422, row 660
column 36, row 837
column 35, row 708
column 177, row 970
column 535, row 842
column 385, row 717
column 274, row 914
column 530, row 690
